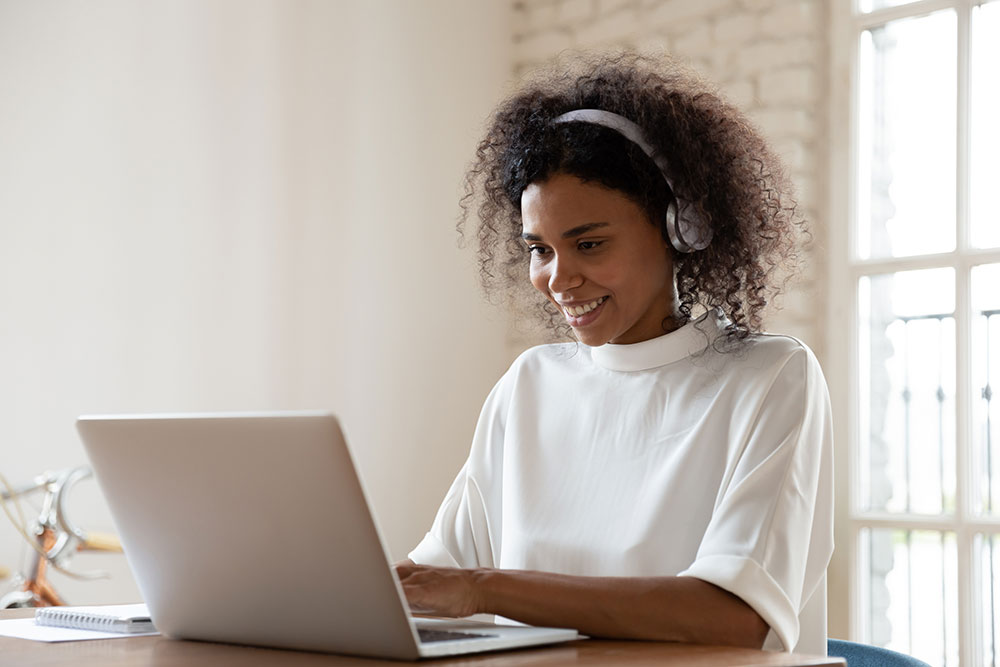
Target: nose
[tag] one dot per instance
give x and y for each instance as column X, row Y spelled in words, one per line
column 564, row 275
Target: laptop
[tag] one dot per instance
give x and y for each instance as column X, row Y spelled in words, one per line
column 255, row 529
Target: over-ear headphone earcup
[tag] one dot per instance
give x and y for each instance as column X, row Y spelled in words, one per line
column 670, row 228
column 686, row 235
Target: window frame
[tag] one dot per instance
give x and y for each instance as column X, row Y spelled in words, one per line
column 845, row 271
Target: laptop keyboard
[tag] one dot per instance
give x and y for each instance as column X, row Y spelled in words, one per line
column 427, row 636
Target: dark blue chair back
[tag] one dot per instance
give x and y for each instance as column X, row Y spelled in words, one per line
column 865, row 655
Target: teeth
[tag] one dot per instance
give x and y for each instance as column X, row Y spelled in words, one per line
column 577, row 311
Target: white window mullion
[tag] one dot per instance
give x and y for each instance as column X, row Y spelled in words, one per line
column 871, row 267
column 861, row 621
column 860, row 567
column 943, row 523
column 889, row 14
column 968, row 573
column 968, row 624
column 963, row 110
column 968, row 616
column 846, row 620
column 969, row 577
column 874, row 267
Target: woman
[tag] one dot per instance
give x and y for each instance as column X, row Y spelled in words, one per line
column 669, row 476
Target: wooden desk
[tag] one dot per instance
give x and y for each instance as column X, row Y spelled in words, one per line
column 162, row 652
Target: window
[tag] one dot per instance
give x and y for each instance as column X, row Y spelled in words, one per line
column 916, row 283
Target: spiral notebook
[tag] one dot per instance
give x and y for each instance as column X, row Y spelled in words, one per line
column 124, row 618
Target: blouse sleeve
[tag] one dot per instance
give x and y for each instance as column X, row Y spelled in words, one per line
column 771, row 534
column 466, row 530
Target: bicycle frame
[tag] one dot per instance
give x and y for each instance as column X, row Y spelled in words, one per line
column 55, row 540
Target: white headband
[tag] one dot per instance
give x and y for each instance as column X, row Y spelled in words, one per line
column 687, row 229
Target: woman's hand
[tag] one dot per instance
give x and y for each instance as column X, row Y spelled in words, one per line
column 440, row 591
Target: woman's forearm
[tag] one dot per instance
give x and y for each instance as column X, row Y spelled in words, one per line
column 657, row 608
column 660, row 608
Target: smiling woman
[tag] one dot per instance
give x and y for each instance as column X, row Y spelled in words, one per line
column 669, row 475
column 612, row 276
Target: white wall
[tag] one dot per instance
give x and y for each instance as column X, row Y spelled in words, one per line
column 244, row 204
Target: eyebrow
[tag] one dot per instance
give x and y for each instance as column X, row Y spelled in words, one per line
column 579, row 230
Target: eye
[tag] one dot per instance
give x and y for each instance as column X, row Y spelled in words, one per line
column 587, row 245
column 538, row 250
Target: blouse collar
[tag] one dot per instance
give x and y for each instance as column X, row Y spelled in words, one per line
column 690, row 339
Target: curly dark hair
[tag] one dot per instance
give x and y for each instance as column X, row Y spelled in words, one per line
column 719, row 164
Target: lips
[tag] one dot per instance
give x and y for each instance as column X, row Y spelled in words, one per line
column 583, row 314
column 583, row 308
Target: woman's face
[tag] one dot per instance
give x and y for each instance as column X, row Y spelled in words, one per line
column 596, row 256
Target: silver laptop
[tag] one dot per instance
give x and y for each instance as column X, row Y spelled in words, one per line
column 255, row 529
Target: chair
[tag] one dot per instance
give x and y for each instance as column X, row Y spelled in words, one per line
column 866, row 655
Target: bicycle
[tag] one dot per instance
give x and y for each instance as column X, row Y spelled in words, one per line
column 52, row 536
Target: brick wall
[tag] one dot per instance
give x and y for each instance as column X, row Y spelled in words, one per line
column 768, row 56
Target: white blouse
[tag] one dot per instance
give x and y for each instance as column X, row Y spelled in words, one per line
column 665, row 457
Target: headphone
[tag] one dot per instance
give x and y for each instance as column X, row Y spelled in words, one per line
column 687, row 230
